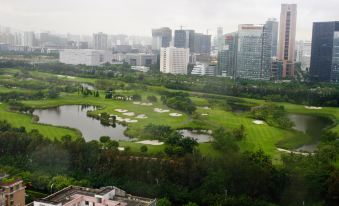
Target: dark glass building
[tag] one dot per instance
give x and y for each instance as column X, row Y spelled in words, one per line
column 325, row 51
column 184, row 39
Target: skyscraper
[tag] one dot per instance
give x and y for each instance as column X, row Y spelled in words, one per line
column 100, row 41
column 174, row 60
column 184, row 39
column 161, row 38
column 227, row 56
column 325, row 51
column 220, row 38
column 202, row 44
column 273, row 24
column 29, row 39
column 287, row 32
column 254, row 52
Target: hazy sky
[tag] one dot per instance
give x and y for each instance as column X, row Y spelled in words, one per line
column 138, row 17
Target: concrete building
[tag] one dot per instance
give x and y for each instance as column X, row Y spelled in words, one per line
column 325, row 51
column 274, row 26
column 184, row 39
column 227, row 56
column 140, row 68
column 161, row 37
column 12, row 191
column 29, row 39
column 140, row 59
column 287, row 32
column 100, row 41
column 276, row 70
column 174, row 60
column 220, row 39
column 87, row 57
column 204, row 70
column 202, row 44
column 254, row 52
column 303, row 54
column 80, row 196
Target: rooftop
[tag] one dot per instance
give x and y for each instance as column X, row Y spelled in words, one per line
column 66, row 195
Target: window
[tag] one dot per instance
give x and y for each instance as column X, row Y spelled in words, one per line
column 86, row 203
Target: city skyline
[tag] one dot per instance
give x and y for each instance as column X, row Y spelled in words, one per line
column 120, row 16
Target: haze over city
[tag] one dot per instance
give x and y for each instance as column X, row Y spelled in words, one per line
column 139, row 17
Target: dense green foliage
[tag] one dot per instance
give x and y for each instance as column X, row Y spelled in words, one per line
column 247, row 178
column 179, row 101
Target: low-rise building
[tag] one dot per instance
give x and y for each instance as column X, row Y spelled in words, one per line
column 87, row 57
column 81, row 196
column 140, row 59
column 204, row 70
column 12, row 191
column 140, row 68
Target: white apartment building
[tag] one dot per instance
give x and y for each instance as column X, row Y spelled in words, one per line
column 174, row 60
column 204, row 70
column 87, row 57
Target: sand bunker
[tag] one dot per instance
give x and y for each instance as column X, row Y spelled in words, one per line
column 161, row 110
column 204, row 114
column 60, row 75
column 146, row 104
column 130, row 114
column 127, row 120
column 175, row 115
column 141, row 116
column 206, row 107
column 151, row 142
column 258, row 122
column 121, row 148
column 136, row 102
column 121, row 110
column 311, row 107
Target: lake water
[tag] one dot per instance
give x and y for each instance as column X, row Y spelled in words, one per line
column 311, row 125
column 200, row 137
column 75, row 116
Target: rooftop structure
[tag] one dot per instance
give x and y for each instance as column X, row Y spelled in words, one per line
column 81, row 196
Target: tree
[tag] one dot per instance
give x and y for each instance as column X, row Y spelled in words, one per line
column 163, row 202
column 224, row 141
column 152, row 98
column 239, row 133
column 143, row 149
column 191, row 204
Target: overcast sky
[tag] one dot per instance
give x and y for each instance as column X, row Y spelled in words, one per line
column 138, row 17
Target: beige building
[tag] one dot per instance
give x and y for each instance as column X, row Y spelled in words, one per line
column 12, row 192
column 287, row 32
column 174, row 60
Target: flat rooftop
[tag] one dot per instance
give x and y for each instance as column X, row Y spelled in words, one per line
column 65, row 195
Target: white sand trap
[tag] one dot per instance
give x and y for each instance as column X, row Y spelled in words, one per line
column 131, row 120
column 70, row 77
column 141, row 116
column 60, row 75
column 146, row 104
column 175, row 115
column 130, row 114
column 121, row 110
column 136, row 102
column 294, row 152
column 206, row 107
column 204, row 114
column 311, row 107
column 121, row 148
column 151, row 142
column 258, row 122
column 161, row 110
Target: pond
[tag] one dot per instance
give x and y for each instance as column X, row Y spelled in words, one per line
column 310, row 125
column 200, row 136
column 75, row 116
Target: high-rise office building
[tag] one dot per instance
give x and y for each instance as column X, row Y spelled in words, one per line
column 273, row 24
column 161, row 38
column 100, row 41
column 174, row 60
column 287, row 32
column 29, row 39
column 325, row 51
column 227, row 56
column 254, row 52
column 303, row 54
column 202, row 44
column 220, row 38
column 184, row 39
